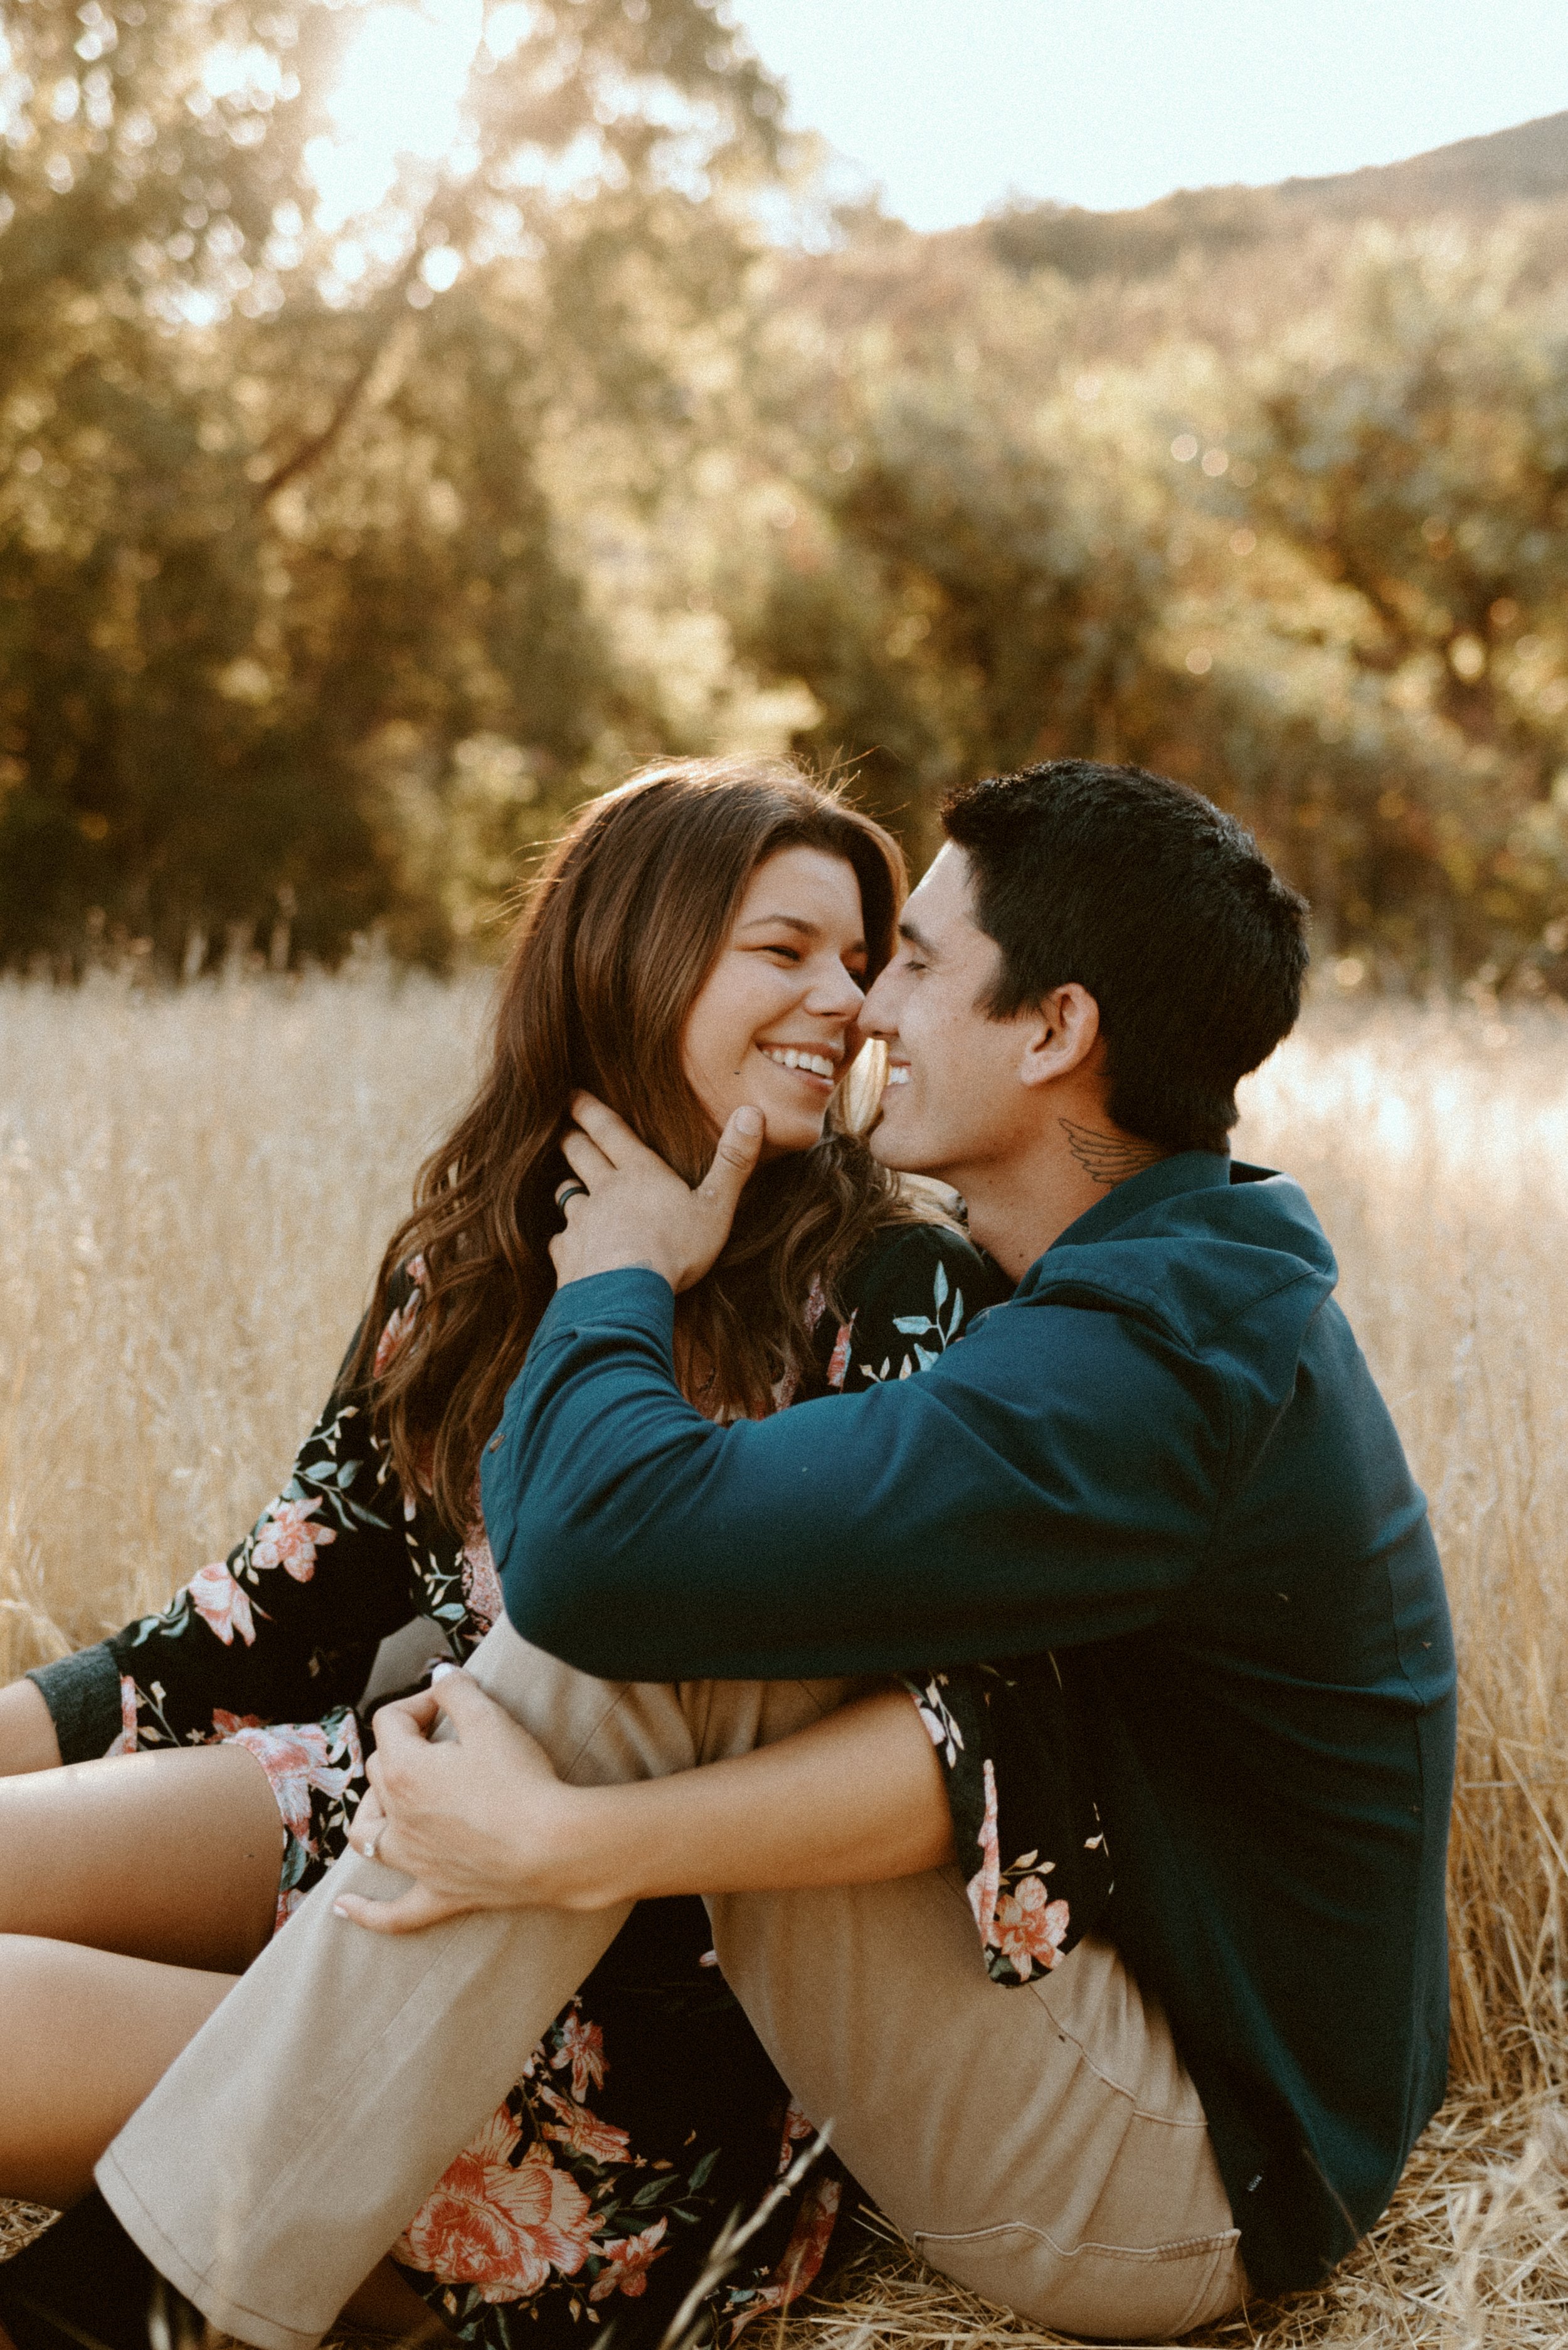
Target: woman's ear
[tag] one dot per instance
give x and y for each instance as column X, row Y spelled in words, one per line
column 1062, row 1035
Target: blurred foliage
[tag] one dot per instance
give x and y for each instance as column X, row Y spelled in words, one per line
column 336, row 561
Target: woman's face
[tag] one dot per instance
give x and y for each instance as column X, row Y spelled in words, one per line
column 770, row 1024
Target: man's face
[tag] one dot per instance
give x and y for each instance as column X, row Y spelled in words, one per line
column 955, row 1101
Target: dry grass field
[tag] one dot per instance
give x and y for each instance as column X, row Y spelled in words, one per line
column 193, row 1190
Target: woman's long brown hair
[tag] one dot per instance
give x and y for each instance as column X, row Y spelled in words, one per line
column 619, row 932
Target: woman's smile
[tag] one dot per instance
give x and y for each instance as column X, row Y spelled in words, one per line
column 815, row 1064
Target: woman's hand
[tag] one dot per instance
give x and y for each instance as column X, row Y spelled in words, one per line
column 482, row 1823
column 627, row 1208
column 478, row 1818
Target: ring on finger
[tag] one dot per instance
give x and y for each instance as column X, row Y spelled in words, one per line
column 570, row 1190
column 369, row 1847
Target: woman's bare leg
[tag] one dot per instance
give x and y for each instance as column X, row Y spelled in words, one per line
column 88, row 2033
column 27, row 1739
column 173, row 1858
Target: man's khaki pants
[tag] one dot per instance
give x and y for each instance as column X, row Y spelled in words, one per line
column 1043, row 2144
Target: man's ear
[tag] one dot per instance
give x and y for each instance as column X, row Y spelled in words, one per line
column 1063, row 1035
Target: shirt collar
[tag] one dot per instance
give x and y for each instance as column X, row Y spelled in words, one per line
column 1189, row 1170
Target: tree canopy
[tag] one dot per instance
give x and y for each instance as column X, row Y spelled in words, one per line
column 337, row 560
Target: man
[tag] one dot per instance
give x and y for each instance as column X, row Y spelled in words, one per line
column 1163, row 1459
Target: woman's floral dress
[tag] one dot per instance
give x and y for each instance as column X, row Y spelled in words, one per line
column 648, row 2113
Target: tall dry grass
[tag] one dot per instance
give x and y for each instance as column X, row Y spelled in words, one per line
column 193, row 1190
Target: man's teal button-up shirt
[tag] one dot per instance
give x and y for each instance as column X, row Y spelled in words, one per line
column 1166, row 1460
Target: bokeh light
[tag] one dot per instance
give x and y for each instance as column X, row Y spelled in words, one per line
column 397, row 100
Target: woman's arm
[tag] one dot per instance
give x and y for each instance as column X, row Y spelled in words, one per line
column 482, row 1821
column 283, row 1628
column 27, row 1739
column 857, row 1797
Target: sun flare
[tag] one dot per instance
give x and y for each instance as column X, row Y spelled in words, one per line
column 398, row 96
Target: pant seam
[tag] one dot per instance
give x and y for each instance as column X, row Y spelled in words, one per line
column 1119, row 2089
column 309, row 2138
column 172, row 2263
column 1177, row 2247
column 617, row 1701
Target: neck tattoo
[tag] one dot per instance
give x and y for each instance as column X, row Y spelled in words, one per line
column 1108, row 1159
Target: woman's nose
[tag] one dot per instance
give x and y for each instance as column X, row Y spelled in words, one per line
column 836, row 994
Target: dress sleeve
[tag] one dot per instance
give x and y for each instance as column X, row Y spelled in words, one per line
column 285, row 1627
column 1026, row 1828
column 906, row 1300
column 1025, row 1825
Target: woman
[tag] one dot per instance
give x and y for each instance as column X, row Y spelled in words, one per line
column 699, row 939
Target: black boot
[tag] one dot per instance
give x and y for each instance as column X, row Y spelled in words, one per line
column 84, row 2285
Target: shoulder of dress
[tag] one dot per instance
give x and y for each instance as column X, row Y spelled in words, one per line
column 903, row 1257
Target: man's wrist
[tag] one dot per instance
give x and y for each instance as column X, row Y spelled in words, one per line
column 609, row 1260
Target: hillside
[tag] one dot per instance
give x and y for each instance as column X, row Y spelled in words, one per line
column 1475, row 177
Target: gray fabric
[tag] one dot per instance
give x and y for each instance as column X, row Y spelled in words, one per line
column 82, row 1693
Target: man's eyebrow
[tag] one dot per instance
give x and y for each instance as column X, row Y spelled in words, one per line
column 916, row 937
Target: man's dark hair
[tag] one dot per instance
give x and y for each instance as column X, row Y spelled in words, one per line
column 1163, row 908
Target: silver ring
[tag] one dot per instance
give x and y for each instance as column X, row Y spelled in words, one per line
column 367, row 1849
column 571, row 1190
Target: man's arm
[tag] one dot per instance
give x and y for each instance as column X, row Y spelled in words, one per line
column 1051, row 1480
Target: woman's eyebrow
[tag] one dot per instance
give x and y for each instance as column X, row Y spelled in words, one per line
column 795, row 922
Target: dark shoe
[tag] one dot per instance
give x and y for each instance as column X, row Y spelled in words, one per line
column 84, row 2285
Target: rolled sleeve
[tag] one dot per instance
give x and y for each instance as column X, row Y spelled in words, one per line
column 82, row 1693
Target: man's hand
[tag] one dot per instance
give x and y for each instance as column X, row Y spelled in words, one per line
column 478, row 1819
column 630, row 1208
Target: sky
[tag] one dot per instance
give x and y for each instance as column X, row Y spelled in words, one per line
column 950, row 106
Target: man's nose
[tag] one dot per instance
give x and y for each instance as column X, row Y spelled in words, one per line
column 878, row 1015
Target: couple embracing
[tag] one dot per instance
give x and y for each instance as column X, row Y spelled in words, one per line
column 980, row 1689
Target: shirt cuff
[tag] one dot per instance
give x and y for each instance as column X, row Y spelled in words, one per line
column 631, row 1298
column 82, row 1693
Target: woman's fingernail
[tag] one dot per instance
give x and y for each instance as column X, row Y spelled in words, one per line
column 749, row 1121
column 339, row 1912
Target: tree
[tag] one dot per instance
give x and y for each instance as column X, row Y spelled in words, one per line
column 273, row 541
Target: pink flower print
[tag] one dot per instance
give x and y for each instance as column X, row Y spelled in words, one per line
column 839, row 1361
column 397, row 1330
column 582, row 2132
column 809, row 2237
column 803, row 2255
column 627, row 2261
column 583, row 2048
column 816, row 1302
column 500, row 2228
column 796, row 2127
column 481, row 1583
column 125, row 1741
column 287, row 1903
column 289, row 1540
column 1029, row 1925
column 219, row 1603
column 226, row 1724
column 986, row 1881
column 297, row 1757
